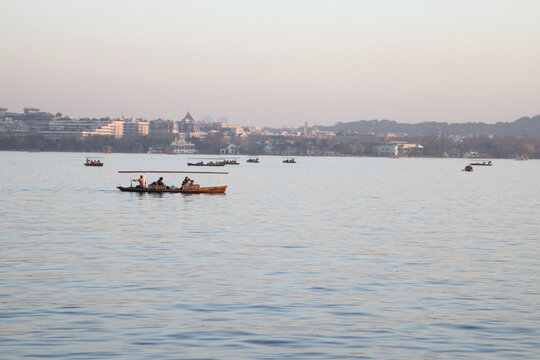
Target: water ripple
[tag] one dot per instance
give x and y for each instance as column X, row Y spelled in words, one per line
column 377, row 261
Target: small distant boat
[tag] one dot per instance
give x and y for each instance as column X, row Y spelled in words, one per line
column 93, row 162
column 253, row 160
column 468, row 168
column 200, row 163
column 483, row 163
column 521, row 157
column 289, row 161
column 186, row 189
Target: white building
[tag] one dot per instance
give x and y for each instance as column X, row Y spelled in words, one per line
column 395, row 148
column 181, row 146
column 235, row 130
column 231, row 149
column 80, row 128
column 389, row 149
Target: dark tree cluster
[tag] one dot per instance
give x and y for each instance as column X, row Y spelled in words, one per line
column 493, row 146
column 126, row 144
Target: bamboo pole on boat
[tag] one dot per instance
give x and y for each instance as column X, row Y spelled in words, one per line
column 172, row 172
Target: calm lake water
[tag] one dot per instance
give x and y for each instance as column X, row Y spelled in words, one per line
column 329, row 258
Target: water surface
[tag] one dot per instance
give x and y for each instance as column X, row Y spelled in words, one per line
column 328, row 258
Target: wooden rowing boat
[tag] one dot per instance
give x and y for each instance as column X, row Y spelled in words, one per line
column 93, row 164
column 186, row 189
column 92, row 161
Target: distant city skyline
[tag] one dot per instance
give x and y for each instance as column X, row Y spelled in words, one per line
column 275, row 64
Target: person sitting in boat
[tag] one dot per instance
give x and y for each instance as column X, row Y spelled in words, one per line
column 141, row 181
column 186, row 181
column 155, row 183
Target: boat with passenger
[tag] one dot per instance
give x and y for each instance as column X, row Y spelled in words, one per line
column 483, row 163
column 210, row 163
column 188, row 186
column 253, row 160
column 93, row 162
column 468, row 168
column 186, row 189
column 289, row 161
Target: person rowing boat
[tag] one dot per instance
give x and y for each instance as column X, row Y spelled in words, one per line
column 141, row 181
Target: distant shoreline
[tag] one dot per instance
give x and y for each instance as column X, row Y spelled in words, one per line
column 270, row 155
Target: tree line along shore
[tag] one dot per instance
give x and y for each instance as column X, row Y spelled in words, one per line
column 431, row 145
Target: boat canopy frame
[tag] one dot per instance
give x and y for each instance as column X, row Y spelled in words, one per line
column 221, row 173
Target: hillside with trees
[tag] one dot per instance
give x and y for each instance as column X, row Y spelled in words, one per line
column 523, row 126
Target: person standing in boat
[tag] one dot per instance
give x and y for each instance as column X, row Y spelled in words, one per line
column 141, row 181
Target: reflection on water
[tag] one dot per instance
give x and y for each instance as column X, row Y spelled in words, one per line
column 327, row 258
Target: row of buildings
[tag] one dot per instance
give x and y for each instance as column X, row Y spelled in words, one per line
column 34, row 121
column 274, row 141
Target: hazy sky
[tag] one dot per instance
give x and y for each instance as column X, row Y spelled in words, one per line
column 274, row 62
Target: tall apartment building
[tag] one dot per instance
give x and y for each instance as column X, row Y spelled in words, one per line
column 136, row 127
column 80, row 128
column 161, row 126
